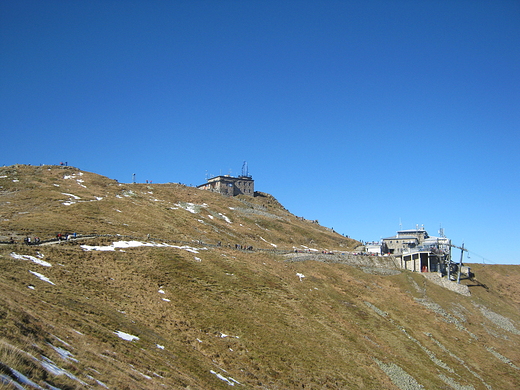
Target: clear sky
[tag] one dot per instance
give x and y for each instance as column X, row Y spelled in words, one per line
column 366, row 115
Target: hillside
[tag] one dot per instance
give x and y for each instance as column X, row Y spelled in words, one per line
column 43, row 201
column 154, row 294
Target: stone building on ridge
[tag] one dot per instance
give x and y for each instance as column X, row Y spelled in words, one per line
column 230, row 186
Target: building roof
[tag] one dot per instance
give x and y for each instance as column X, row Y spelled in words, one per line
column 228, row 177
column 401, row 238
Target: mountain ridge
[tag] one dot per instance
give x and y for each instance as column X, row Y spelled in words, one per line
column 176, row 304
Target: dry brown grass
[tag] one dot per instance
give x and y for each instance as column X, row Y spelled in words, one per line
column 33, row 198
column 244, row 315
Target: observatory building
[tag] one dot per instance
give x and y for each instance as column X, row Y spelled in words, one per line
column 417, row 250
column 231, row 186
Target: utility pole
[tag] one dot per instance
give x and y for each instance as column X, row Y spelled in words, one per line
column 460, row 263
column 133, row 178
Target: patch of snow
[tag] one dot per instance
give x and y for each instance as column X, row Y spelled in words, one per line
column 191, row 207
column 73, row 176
column 159, row 346
column 21, row 378
column 270, row 243
column 301, row 276
column 64, row 354
column 97, row 248
column 161, row 292
column 165, row 299
column 51, row 367
column 56, row 185
column 126, row 336
column 15, row 180
column 310, row 249
column 189, row 249
column 225, row 218
column 144, row 375
column 134, row 244
column 30, row 286
column 42, row 277
column 129, row 193
column 230, row 381
column 197, row 258
column 97, row 381
column 210, row 216
column 119, row 211
column 30, row 258
column 61, row 341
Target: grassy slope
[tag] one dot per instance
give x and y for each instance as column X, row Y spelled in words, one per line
column 33, row 202
column 243, row 315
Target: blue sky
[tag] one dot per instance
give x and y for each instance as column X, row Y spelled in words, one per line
column 362, row 114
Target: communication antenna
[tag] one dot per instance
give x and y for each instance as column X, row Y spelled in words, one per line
column 400, row 224
column 245, row 171
column 441, row 232
column 133, row 178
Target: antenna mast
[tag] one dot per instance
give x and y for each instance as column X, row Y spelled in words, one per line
column 441, row 232
column 245, row 171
